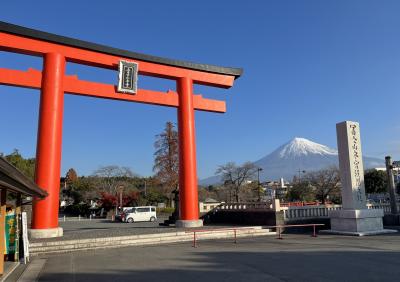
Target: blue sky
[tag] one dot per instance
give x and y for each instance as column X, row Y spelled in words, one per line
column 307, row 65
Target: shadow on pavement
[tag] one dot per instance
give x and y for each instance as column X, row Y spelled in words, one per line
column 238, row 266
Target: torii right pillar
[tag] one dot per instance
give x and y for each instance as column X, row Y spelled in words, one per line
column 188, row 195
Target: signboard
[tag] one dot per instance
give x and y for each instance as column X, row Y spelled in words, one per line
column 127, row 77
column 10, row 233
column 25, row 241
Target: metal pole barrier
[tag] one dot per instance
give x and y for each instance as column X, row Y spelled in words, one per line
column 279, row 233
column 64, row 218
column 314, row 233
column 90, row 217
column 79, row 218
column 194, row 240
column 235, row 236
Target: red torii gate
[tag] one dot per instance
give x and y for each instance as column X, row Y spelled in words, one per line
column 56, row 51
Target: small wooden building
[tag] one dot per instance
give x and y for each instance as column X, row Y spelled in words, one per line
column 17, row 186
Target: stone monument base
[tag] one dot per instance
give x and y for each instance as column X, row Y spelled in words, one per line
column 45, row 233
column 357, row 222
column 189, row 223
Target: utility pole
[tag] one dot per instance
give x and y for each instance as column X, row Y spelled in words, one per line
column 301, row 171
column 391, row 186
column 258, row 186
column 119, row 190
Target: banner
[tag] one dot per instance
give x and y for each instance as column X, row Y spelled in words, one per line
column 25, row 241
column 10, row 228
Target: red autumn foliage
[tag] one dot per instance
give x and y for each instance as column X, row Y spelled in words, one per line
column 109, row 201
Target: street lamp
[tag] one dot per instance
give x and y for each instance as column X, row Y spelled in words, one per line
column 258, row 176
column 119, row 190
column 391, row 185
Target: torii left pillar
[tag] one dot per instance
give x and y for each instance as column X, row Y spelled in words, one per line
column 48, row 151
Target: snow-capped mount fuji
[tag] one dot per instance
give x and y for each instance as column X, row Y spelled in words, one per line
column 303, row 147
column 299, row 154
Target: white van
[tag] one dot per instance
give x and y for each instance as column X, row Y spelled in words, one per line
column 121, row 212
column 136, row 214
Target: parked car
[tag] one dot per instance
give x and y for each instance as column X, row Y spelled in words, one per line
column 137, row 214
column 121, row 212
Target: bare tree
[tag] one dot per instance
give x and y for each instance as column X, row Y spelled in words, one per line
column 112, row 176
column 166, row 161
column 325, row 182
column 235, row 176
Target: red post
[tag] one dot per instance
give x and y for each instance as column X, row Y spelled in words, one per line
column 194, row 240
column 314, row 233
column 189, row 210
column 48, row 150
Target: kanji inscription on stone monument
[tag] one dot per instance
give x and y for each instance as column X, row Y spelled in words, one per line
column 351, row 165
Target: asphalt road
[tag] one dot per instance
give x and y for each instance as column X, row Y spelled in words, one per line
column 96, row 228
column 295, row 258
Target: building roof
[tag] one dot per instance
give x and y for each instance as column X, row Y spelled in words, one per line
column 50, row 37
column 14, row 180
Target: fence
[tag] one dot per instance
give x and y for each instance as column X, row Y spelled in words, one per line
column 307, row 212
column 297, row 212
column 321, row 211
column 245, row 206
column 385, row 207
column 74, row 218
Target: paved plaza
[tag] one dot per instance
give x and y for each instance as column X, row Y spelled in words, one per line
column 100, row 228
column 295, row 258
column 74, row 229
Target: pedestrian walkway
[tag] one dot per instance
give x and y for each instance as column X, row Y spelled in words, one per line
column 33, row 270
column 295, row 258
column 9, row 267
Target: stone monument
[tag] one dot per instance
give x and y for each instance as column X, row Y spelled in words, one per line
column 354, row 218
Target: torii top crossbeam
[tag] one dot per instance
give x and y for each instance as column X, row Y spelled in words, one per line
column 24, row 40
column 53, row 83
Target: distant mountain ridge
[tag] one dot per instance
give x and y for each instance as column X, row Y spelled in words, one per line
column 299, row 154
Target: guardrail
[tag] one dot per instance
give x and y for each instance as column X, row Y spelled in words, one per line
column 234, row 230
column 280, row 227
column 75, row 218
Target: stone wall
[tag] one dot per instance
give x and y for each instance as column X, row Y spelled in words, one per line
column 245, row 217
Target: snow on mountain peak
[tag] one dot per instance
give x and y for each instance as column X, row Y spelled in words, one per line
column 301, row 147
